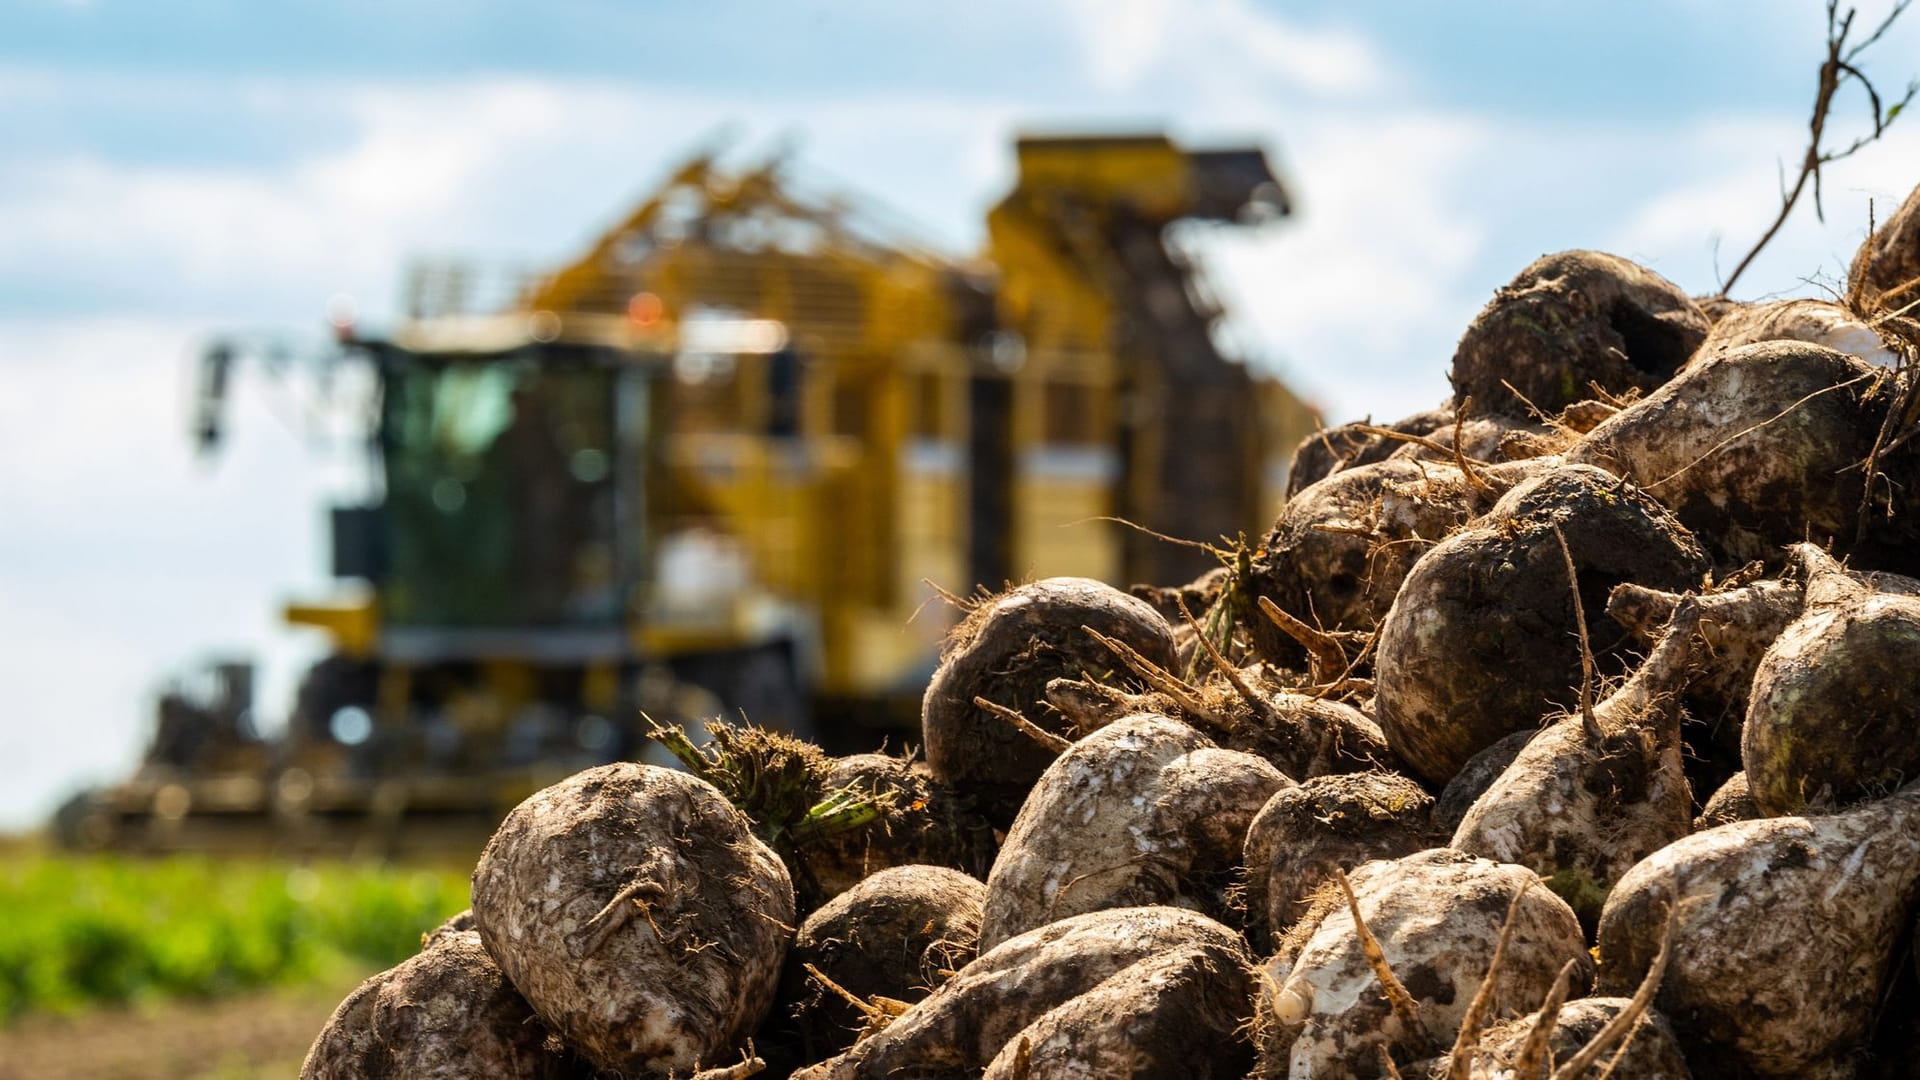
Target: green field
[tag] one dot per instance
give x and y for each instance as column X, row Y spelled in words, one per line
column 80, row 931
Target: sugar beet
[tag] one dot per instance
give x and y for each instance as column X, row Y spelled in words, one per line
column 637, row 913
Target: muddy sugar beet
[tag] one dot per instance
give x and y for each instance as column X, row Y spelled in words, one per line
column 1006, row 651
column 1482, row 639
column 1143, row 811
column 637, row 913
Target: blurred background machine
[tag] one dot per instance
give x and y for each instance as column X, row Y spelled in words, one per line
column 719, row 463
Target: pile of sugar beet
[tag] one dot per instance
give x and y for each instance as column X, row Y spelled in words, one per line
column 1563, row 731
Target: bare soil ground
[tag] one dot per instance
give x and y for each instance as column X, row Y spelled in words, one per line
column 257, row 1035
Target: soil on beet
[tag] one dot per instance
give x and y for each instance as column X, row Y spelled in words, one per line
column 1007, row 650
column 1570, row 320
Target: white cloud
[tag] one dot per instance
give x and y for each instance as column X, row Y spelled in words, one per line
column 1737, row 192
column 123, row 556
column 1358, row 297
column 1226, row 43
column 489, row 167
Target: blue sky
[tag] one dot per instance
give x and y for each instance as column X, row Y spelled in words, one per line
column 177, row 167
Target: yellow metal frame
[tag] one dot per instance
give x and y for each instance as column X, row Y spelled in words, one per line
column 861, row 513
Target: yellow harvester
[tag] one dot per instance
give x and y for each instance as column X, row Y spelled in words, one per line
column 719, row 462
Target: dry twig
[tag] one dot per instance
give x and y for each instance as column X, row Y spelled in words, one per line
column 1840, row 66
column 1026, row 727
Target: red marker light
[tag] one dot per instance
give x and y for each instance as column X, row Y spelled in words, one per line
column 645, row 309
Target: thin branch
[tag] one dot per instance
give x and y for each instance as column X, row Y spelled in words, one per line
column 1835, row 69
column 1878, row 31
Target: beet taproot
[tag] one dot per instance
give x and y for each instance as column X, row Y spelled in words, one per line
column 1569, row 320
column 1754, row 448
column 1783, row 931
column 1485, row 438
column 446, row 1014
column 1340, row 549
column 1436, row 916
column 1650, row 1053
column 1144, row 811
column 1481, row 640
column 1006, row 651
column 455, row 924
column 1834, row 713
column 636, row 911
column 1737, row 625
column 1179, row 1015
column 1596, row 792
column 1300, row 734
column 1816, row 321
column 955, row 1032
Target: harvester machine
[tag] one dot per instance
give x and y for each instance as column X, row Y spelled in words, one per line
column 726, row 462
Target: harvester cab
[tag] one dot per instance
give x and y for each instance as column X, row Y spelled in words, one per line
column 513, row 599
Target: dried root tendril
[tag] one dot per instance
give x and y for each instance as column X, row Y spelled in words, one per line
column 1398, row 999
column 1532, row 1061
column 1026, row 727
column 1627, row 1021
column 1468, row 1041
